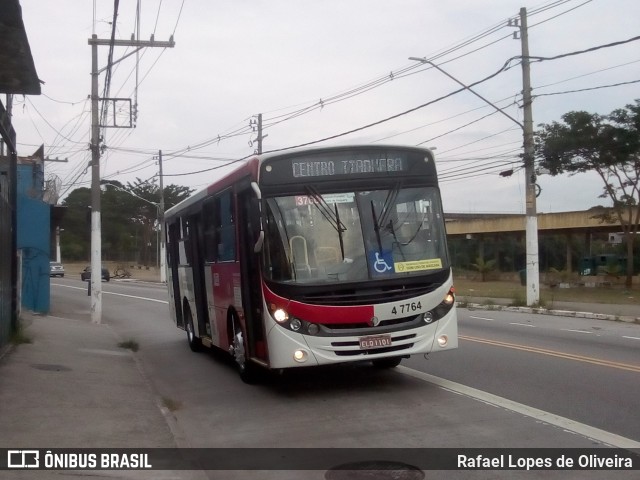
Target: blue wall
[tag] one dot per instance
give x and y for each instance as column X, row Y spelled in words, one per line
column 33, row 237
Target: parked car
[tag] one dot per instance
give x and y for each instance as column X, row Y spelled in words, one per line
column 56, row 269
column 85, row 275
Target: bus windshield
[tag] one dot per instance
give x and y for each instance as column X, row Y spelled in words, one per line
column 354, row 236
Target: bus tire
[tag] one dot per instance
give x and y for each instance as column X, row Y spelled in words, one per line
column 194, row 342
column 246, row 369
column 389, row 362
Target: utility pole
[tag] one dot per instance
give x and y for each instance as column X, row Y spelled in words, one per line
column 256, row 126
column 533, row 269
column 163, row 273
column 96, row 233
column 259, row 133
column 533, row 266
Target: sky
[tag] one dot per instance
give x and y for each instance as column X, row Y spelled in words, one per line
column 318, row 69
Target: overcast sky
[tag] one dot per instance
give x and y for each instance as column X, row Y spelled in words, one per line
column 316, row 69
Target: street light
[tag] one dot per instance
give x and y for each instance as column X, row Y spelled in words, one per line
column 533, row 272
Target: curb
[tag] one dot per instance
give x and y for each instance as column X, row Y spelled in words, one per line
column 545, row 311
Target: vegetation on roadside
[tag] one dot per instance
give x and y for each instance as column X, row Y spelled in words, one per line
column 170, row 404
column 468, row 290
column 130, row 344
column 19, row 337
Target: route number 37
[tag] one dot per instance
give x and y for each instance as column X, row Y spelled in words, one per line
column 406, row 308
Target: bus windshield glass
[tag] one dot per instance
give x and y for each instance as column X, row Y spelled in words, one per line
column 354, row 236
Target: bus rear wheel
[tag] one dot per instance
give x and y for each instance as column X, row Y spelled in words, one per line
column 389, row 362
column 194, row 342
column 238, row 350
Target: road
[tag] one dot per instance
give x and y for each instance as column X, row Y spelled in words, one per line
column 570, row 386
column 586, row 370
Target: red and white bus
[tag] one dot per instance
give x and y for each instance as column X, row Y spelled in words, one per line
column 315, row 257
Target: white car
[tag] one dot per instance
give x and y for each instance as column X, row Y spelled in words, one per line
column 56, row 269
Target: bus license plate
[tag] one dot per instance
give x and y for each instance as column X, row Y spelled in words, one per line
column 375, row 341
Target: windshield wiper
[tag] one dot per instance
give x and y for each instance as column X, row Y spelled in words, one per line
column 376, row 226
column 330, row 216
column 392, row 230
column 386, row 207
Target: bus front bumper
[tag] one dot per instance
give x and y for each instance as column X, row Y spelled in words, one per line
column 290, row 349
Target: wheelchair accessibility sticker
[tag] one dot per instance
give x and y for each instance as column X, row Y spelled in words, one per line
column 381, row 262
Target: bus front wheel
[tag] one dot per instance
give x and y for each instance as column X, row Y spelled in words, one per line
column 238, row 350
column 194, row 342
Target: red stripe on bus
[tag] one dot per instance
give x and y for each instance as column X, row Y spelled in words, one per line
column 325, row 314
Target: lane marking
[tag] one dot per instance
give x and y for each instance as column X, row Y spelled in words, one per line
column 523, row 324
column 631, row 338
column 113, row 293
column 590, row 432
column 136, row 297
column 554, row 353
column 576, row 331
column 100, row 351
column 483, row 318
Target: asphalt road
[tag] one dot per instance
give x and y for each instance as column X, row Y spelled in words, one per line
column 566, row 382
column 586, row 370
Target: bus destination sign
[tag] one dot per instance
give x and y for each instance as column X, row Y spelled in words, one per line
column 309, row 168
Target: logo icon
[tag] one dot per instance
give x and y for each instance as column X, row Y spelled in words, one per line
column 23, row 458
column 381, row 265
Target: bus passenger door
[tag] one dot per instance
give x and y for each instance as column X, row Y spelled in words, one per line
column 197, row 267
column 248, row 230
column 173, row 239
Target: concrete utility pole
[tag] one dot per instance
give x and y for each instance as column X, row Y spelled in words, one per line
column 96, row 236
column 163, row 273
column 533, row 271
column 533, row 266
column 96, row 233
column 256, row 125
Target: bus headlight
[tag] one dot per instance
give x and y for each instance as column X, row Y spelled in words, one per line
column 280, row 315
column 295, row 324
column 300, row 356
column 443, row 308
column 313, row 329
column 443, row 340
column 450, row 297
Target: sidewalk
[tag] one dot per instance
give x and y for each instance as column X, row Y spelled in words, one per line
column 73, row 387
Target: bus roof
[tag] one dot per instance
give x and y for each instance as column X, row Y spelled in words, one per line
column 249, row 167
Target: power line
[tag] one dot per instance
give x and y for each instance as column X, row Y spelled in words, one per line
column 587, row 89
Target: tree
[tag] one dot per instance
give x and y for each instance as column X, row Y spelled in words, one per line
column 484, row 267
column 608, row 145
column 129, row 218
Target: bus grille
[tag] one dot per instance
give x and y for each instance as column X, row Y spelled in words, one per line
column 368, row 296
column 331, row 327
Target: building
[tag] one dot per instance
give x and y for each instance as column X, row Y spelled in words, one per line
column 17, row 76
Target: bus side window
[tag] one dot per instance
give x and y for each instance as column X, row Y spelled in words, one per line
column 226, row 234
column 209, row 225
column 184, row 247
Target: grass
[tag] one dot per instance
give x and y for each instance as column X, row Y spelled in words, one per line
column 130, row 344
column 19, row 337
column 172, row 405
column 611, row 294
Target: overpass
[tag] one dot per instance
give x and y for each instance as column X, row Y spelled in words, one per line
column 487, row 227
column 588, row 221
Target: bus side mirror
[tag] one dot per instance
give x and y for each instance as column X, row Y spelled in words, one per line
column 255, row 217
